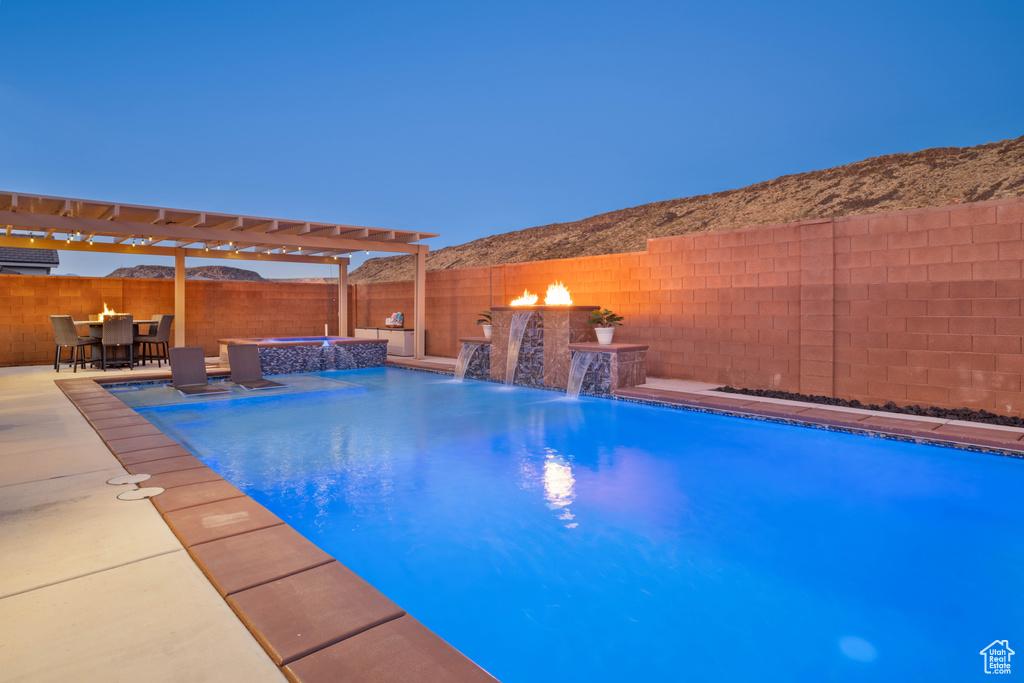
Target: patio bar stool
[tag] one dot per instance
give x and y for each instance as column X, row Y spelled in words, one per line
column 159, row 339
column 118, row 332
column 66, row 335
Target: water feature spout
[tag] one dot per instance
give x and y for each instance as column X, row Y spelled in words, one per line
column 515, row 340
column 581, row 361
column 462, row 363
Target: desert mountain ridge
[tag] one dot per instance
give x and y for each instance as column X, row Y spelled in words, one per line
column 197, row 273
column 932, row 177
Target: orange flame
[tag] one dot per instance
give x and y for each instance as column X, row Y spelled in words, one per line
column 558, row 295
column 526, row 299
column 106, row 311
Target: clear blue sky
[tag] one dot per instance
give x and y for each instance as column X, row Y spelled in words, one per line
column 473, row 118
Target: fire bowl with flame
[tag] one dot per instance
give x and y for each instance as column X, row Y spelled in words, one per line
column 557, row 298
column 106, row 311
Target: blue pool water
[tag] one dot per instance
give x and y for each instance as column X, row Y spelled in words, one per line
column 559, row 540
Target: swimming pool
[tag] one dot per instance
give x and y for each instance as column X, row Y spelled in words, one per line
column 554, row 539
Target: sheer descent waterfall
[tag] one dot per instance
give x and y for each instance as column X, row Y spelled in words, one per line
column 462, row 364
column 581, row 361
column 515, row 339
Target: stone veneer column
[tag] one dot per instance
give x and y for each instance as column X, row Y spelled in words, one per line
column 561, row 326
column 626, row 364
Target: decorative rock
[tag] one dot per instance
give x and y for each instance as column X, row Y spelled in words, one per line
column 967, row 414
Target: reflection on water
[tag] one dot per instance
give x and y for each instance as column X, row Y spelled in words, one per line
column 558, row 488
column 558, row 482
column 556, row 477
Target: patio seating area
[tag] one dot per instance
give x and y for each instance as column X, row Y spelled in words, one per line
column 118, row 334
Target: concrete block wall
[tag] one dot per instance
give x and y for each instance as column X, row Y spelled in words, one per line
column 928, row 306
column 454, row 298
column 920, row 306
column 217, row 310
column 214, row 309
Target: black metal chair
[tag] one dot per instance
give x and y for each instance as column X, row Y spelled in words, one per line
column 160, row 338
column 66, row 336
column 118, row 332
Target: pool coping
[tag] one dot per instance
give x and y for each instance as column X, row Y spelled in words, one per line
column 316, row 619
column 957, row 434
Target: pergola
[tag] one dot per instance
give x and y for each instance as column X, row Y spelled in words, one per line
column 38, row 221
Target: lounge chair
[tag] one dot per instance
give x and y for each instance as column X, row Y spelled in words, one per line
column 246, row 370
column 188, row 372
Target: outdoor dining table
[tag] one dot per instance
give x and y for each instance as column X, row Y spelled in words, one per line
column 96, row 326
column 96, row 330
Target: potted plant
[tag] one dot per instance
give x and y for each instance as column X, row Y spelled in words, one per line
column 485, row 320
column 604, row 322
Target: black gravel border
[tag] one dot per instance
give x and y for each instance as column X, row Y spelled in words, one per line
column 945, row 413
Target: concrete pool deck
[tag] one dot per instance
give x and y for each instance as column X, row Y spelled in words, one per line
column 95, row 588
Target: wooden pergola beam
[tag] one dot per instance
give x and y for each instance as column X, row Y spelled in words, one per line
column 107, row 247
column 95, row 226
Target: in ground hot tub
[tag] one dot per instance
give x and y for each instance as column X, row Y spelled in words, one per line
column 284, row 355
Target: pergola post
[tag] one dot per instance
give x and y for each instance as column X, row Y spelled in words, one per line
column 420, row 303
column 179, row 297
column 342, row 299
